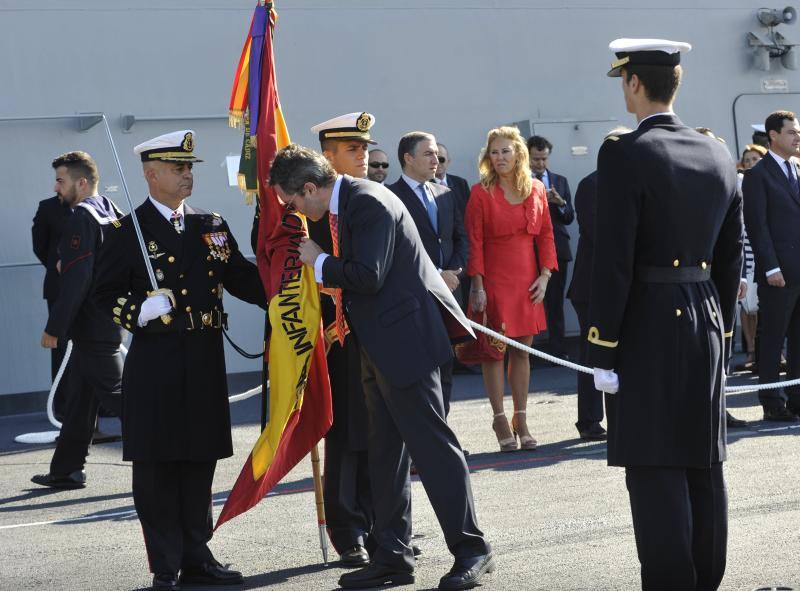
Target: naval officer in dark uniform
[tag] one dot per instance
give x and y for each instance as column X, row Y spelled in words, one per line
column 667, row 265
column 96, row 361
column 176, row 419
column 348, row 498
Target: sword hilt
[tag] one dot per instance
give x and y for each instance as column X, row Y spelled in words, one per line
column 165, row 318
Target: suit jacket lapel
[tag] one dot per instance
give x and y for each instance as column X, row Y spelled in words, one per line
column 778, row 172
column 155, row 226
column 418, row 211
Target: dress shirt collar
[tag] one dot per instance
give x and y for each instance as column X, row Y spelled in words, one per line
column 333, row 207
column 166, row 211
column 781, row 161
column 413, row 183
column 545, row 178
column 443, row 181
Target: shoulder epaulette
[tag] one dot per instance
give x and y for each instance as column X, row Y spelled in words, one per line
column 612, row 138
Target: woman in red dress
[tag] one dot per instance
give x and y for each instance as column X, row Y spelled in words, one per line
column 506, row 214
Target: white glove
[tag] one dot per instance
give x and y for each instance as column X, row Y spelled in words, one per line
column 606, row 380
column 153, row 307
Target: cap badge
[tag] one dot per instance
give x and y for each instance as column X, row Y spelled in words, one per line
column 152, row 246
column 188, row 142
column 364, row 122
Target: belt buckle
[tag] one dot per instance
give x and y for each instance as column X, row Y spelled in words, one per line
column 206, row 319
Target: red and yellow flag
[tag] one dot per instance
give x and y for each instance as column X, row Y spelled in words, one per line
column 300, row 411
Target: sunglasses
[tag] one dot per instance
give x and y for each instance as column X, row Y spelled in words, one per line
column 379, row 164
column 442, row 159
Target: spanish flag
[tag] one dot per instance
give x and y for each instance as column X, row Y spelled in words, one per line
column 300, row 394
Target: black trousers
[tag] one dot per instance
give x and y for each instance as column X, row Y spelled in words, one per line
column 554, row 309
column 56, row 357
column 778, row 319
column 348, row 497
column 173, row 501
column 446, row 377
column 680, row 519
column 590, row 401
column 411, row 420
column 95, row 378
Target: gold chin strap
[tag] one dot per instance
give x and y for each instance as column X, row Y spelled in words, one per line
column 166, row 318
column 594, row 338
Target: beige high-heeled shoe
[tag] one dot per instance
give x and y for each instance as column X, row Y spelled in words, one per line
column 501, row 428
column 526, row 442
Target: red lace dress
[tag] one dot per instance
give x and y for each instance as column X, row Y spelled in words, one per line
column 501, row 239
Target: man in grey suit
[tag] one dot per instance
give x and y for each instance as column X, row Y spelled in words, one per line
column 436, row 215
column 397, row 305
column 772, row 215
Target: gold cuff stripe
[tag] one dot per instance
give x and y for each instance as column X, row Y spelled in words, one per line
column 620, row 62
column 594, row 338
column 729, row 335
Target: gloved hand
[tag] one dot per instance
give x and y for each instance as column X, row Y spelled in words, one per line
column 606, row 380
column 153, row 307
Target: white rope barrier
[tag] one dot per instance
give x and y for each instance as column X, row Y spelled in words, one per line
column 245, row 395
column 589, row 370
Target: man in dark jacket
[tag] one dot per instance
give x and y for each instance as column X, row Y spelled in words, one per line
column 772, row 214
column 667, row 265
column 437, row 216
column 48, row 225
column 562, row 215
column 397, row 304
column 176, row 419
column 96, row 359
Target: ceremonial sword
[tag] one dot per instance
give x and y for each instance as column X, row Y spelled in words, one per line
column 166, row 318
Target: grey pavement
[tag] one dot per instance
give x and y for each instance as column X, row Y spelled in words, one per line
column 558, row 518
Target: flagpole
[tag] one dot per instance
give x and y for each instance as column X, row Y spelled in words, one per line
column 323, row 536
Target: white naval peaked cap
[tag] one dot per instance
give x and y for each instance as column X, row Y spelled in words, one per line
column 353, row 126
column 176, row 146
column 759, row 127
column 646, row 52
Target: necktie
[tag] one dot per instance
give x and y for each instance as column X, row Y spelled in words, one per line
column 333, row 221
column 176, row 221
column 539, row 176
column 792, row 179
column 430, row 205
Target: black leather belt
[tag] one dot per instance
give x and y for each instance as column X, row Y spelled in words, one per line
column 647, row 274
column 200, row 320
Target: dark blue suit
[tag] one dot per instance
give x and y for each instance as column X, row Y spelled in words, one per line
column 396, row 304
column 561, row 216
column 446, row 245
column 772, row 217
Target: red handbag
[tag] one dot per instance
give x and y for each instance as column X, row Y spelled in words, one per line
column 483, row 348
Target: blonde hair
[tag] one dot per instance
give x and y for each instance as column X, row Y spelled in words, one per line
column 522, row 171
column 760, row 150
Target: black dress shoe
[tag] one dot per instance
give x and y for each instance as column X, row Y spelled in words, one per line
column 100, row 437
column 733, row 422
column 783, row 415
column 167, row 581
column 355, row 556
column 467, row 572
column 375, row 575
column 211, row 573
column 593, row 432
column 76, row 479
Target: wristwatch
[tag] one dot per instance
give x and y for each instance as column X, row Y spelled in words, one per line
column 547, row 272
